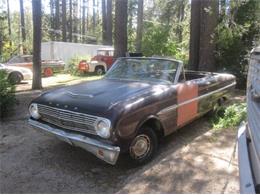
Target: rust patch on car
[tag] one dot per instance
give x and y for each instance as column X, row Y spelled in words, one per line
column 187, row 112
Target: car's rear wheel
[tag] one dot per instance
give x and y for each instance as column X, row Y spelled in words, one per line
column 15, row 78
column 48, row 72
column 144, row 146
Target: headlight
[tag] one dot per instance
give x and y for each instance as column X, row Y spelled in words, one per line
column 33, row 109
column 103, row 128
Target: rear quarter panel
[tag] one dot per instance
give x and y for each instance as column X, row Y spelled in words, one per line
column 173, row 105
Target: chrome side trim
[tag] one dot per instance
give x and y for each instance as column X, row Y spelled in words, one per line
column 165, row 110
column 108, row 153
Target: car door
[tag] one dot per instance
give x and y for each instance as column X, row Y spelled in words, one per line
column 187, row 110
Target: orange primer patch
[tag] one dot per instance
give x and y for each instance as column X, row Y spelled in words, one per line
column 187, row 112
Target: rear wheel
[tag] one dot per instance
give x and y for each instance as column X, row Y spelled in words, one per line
column 216, row 108
column 48, row 72
column 144, row 146
column 15, row 78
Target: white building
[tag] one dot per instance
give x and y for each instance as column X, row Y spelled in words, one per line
column 65, row 51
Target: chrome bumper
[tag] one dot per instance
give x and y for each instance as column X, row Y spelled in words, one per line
column 101, row 150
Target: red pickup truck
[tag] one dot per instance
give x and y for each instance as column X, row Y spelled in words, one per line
column 100, row 63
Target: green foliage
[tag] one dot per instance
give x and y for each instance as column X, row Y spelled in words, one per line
column 73, row 64
column 166, row 29
column 237, row 33
column 7, row 94
column 230, row 116
column 157, row 41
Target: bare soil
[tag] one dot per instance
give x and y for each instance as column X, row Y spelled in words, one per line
column 195, row 159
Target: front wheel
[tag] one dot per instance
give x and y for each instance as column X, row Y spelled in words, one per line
column 99, row 71
column 144, row 146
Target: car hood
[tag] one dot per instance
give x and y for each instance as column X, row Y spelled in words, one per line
column 98, row 96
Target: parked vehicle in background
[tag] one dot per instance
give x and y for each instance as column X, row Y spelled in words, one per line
column 249, row 133
column 48, row 66
column 17, row 74
column 105, row 55
column 100, row 63
column 93, row 66
column 139, row 101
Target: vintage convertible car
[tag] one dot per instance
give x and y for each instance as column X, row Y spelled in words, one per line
column 138, row 101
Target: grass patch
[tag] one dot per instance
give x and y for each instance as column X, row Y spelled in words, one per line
column 230, row 116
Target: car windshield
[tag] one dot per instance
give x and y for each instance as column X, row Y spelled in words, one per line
column 144, row 69
column 105, row 52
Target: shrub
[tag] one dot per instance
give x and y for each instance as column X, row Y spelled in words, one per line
column 74, row 62
column 230, row 116
column 7, row 94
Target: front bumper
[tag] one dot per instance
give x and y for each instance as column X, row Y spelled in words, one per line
column 245, row 171
column 101, row 150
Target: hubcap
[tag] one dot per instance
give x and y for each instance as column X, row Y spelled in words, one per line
column 140, row 146
column 99, row 71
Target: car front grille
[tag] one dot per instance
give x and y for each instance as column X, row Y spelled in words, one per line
column 68, row 119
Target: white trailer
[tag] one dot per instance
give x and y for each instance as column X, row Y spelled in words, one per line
column 65, row 51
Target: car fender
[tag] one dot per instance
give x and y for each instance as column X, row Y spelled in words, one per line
column 94, row 64
column 146, row 119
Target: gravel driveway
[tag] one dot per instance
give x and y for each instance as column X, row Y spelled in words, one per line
column 196, row 159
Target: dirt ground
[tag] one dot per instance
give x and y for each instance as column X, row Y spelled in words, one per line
column 195, row 159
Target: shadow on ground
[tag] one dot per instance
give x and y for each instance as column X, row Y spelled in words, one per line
column 194, row 159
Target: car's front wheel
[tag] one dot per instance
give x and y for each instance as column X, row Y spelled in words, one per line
column 99, row 70
column 144, row 146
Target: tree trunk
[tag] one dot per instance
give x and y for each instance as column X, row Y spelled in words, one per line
column 75, row 16
column 52, row 19
column 94, row 16
column 139, row 32
column 120, row 28
column 209, row 20
column 87, row 25
column 37, row 36
column 9, row 22
column 57, row 20
column 194, row 35
column 109, row 22
column 97, row 13
column 71, row 25
column 64, row 37
column 22, row 21
column 104, row 23
column 84, row 20
column 180, row 16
